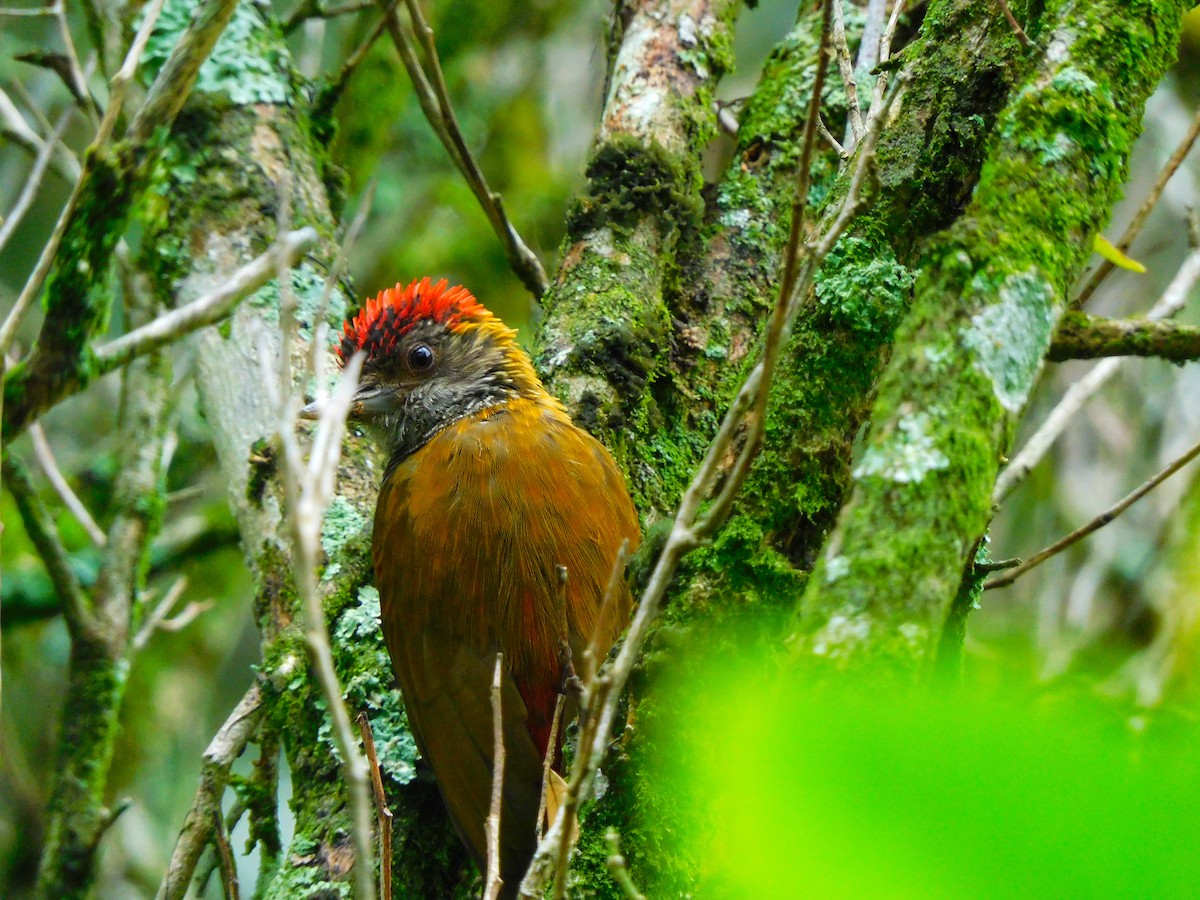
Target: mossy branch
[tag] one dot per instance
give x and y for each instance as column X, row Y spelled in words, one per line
column 981, row 323
column 1083, row 336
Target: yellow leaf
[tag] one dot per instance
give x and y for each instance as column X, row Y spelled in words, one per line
column 1102, row 246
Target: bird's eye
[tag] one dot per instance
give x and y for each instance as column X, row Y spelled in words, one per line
column 420, row 358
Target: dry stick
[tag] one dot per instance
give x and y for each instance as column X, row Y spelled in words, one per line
column 1171, row 301
column 618, row 869
column 320, row 326
column 226, row 746
column 206, row 310
column 846, row 68
column 1139, row 219
column 44, row 455
column 118, row 90
column 350, row 66
column 33, row 181
column 308, row 491
column 311, row 9
column 384, row 811
column 1015, row 25
column 43, row 534
column 548, row 763
column 13, row 127
column 869, row 47
column 1099, row 522
column 78, row 81
column 824, row 131
column 430, row 87
column 228, row 871
column 492, row 883
column 687, row 533
column 159, row 614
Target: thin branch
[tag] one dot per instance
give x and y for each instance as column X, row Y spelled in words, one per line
column 1139, row 219
column 846, row 68
column 44, row 455
column 309, row 488
column 312, row 9
column 39, row 525
column 229, row 879
column 320, row 326
column 868, row 48
column 381, row 805
column 1097, row 523
column 33, row 180
column 548, row 758
column 330, row 96
column 226, row 746
column 159, row 614
column 1083, row 336
column 13, row 127
column 1078, row 394
column 1014, row 24
column 493, row 882
column 430, row 87
column 76, row 79
column 618, row 869
column 206, row 310
column 174, row 82
column 824, row 131
column 118, row 89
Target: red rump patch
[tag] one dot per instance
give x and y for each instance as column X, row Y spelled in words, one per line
column 395, row 311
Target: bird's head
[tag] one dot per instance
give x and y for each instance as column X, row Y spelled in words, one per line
column 433, row 355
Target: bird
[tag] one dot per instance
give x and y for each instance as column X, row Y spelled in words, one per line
column 497, row 528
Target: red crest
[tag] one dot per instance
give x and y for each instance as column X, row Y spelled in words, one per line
column 395, row 311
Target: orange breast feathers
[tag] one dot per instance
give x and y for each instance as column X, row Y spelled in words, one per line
column 469, row 532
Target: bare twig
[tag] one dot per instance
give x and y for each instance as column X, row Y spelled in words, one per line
column 1014, row 24
column 868, row 48
column 846, row 68
column 320, row 325
column 309, row 488
column 119, row 88
column 430, row 87
column 824, row 131
column 13, row 127
column 33, row 181
column 44, row 455
column 381, row 806
column 44, row 537
column 330, row 97
column 1139, row 219
column 493, row 883
column 618, row 869
column 226, row 746
column 312, row 9
column 1097, row 523
column 206, row 310
column 225, row 857
column 159, row 614
column 76, row 79
column 548, row 762
column 1078, row 394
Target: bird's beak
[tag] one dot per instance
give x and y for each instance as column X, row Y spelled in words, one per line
column 311, row 411
column 369, row 400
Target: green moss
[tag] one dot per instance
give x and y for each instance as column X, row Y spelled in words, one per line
column 630, row 181
column 248, row 64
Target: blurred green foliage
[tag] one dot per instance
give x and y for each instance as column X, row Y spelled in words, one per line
column 868, row 793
